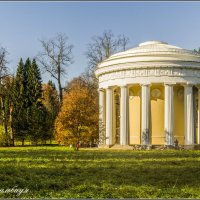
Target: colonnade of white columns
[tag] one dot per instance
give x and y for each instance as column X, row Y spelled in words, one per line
column 169, row 115
column 145, row 114
column 109, row 116
column 124, row 114
column 106, row 115
column 189, row 115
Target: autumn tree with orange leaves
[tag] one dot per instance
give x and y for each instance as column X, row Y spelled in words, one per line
column 78, row 118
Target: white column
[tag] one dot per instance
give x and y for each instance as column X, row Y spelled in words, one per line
column 169, row 115
column 198, row 134
column 189, row 115
column 124, row 116
column 109, row 116
column 102, row 116
column 145, row 114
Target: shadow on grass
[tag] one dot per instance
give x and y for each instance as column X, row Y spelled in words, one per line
column 103, row 174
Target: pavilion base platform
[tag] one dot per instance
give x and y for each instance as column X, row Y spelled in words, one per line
column 150, row 147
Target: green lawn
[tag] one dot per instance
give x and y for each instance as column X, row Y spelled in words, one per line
column 61, row 172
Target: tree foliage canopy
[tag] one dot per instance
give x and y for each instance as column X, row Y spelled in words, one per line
column 27, row 110
column 78, row 118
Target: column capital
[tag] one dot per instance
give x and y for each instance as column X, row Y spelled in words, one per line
column 188, row 84
column 108, row 87
column 145, row 84
column 101, row 89
column 169, row 84
column 123, row 86
column 198, row 86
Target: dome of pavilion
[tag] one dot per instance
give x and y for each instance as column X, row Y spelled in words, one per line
column 153, row 51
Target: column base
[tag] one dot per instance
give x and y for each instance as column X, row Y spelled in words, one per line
column 123, row 147
column 104, row 146
column 142, row 147
column 192, row 147
column 169, row 146
column 115, row 146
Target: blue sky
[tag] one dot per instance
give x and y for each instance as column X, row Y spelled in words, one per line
column 22, row 24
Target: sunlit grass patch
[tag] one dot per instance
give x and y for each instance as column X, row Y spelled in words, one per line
column 61, row 172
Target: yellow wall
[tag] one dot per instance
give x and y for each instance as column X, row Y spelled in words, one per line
column 157, row 116
column 179, row 114
column 134, row 114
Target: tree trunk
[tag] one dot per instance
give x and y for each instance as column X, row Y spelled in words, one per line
column 22, row 141
column 13, row 141
column 5, row 127
column 60, row 92
column 60, row 87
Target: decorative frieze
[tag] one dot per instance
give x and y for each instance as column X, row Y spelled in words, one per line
column 146, row 65
column 150, row 73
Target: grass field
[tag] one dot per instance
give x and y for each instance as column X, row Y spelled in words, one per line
column 57, row 172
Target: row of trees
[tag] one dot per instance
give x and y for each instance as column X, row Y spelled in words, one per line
column 28, row 107
column 30, row 117
column 36, row 111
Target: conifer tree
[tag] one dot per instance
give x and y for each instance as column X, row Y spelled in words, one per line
column 27, row 66
column 29, row 115
column 35, row 109
column 51, row 103
column 19, row 120
column 34, row 84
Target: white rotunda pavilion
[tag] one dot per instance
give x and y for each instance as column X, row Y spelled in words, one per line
column 150, row 95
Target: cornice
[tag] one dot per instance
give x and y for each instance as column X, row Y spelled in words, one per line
column 150, row 73
column 145, row 65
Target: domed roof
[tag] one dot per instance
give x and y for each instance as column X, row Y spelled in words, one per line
column 152, row 51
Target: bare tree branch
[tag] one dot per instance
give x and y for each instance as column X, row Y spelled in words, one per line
column 102, row 47
column 55, row 58
column 3, row 62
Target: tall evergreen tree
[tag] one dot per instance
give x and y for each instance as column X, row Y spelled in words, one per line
column 51, row 103
column 27, row 66
column 19, row 120
column 35, row 109
column 34, row 84
column 27, row 94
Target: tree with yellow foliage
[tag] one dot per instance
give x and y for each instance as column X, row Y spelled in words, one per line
column 78, row 118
